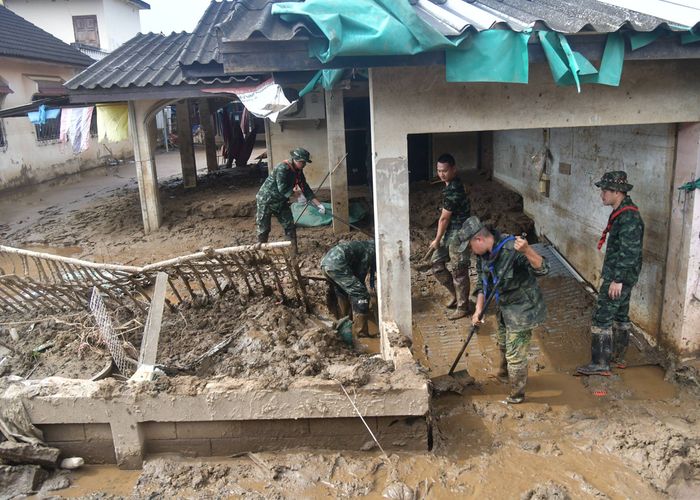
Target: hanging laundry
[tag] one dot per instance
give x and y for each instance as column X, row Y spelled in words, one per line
column 39, row 117
column 112, row 122
column 75, row 127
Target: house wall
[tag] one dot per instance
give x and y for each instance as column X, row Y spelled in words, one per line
column 25, row 161
column 573, row 217
column 308, row 134
column 650, row 93
column 117, row 21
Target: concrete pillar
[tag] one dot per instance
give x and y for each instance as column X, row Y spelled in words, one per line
column 681, row 311
column 207, row 121
column 268, row 145
column 391, row 224
column 145, row 164
column 335, row 129
column 128, row 439
column 184, row 140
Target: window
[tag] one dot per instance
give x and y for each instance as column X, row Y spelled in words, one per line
column 49, row 131
column 85, row 29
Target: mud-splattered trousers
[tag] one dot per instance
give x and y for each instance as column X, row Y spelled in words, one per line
column 347, row 265
column 521, row 305
column 273, row 198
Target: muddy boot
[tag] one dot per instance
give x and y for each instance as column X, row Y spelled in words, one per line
column 620, row 341
column 461, row 288
column 359, row 327
column 601, row 352
column 444, row 277
column 291, row 235
column 262, row 237
column 518, row 379
column 502, row 372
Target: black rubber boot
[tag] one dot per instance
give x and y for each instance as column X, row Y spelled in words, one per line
column 620, row 341
column 518, row 380
column 444, row 277
column 502, row 372
column 601, row 352
column 262, row 237
column 291, row 235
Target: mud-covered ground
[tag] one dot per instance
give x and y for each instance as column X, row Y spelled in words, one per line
column 633, row 435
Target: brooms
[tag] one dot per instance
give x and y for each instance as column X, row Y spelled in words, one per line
column 450, row 382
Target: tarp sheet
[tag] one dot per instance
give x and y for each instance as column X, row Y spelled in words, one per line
column 312, row 218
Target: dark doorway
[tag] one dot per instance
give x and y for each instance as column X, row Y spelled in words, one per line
column 420, row 166
column 358, row 141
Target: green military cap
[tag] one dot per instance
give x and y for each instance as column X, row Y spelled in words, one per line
column 614, row 181
column 468, row 230
column 300, row 154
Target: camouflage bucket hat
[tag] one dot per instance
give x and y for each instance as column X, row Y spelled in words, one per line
column 470, row 227
column 300, row 154
column 614, row 181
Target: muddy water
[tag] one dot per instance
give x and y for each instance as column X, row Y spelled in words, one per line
column 106, row 479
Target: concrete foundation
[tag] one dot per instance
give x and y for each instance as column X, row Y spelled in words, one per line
column 111, row 422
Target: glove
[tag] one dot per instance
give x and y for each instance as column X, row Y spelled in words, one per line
column 301, row 199
column 321, row 209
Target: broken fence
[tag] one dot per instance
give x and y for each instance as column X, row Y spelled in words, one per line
column 34, row 282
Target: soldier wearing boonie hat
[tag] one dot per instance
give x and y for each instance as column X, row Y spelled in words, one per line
column 273, row 196
column 520, row 302
column 624, row 233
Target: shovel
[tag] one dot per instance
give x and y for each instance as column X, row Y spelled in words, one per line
column 424, row 264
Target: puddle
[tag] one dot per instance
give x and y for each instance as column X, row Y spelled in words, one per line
column 105, row 479
column 647, row 382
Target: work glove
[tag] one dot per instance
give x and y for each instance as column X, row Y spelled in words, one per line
column 301, row 199
column 321, row 209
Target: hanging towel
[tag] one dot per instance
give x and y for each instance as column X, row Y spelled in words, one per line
column 112, row 122
column 75, row 127
column 40, row 117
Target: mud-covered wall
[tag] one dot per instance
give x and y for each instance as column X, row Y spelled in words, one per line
column 573, row 217
column 25, row 161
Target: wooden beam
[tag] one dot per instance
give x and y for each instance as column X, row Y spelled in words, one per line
column 207, row 121
column 184, row 140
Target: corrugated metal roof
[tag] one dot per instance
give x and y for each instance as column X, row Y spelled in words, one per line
column 151, row 60
column 252, row 19
column 452, row 17
column 21, row 39
column 203, row 45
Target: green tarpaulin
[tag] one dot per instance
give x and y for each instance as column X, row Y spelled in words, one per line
column 312, row 218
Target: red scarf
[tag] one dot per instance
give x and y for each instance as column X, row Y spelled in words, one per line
column 297, row 175
column 610, row 223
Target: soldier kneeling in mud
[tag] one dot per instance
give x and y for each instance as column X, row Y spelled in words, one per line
column 346, row 265
column 520, row 302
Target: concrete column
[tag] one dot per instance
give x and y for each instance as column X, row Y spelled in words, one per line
column 184, row 140
column 145, row 164
column 391, row 223
column 207, row 121
column 681, row 311
column 128, row 439
column 335, row 129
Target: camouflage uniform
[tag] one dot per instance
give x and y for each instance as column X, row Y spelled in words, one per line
column 273, row 198
column 520, row 300
column 454, row 199
column 610, row 328
column 346, row 265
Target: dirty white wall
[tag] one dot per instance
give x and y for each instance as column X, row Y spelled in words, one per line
column 573, row 218
column 308, row 134
column 25, row 161
column 117, row 21
column 650, row 93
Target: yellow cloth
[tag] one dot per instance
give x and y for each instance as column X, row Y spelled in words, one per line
column 112, row 122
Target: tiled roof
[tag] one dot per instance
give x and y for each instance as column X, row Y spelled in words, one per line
column 203, row 45
column 21, row 39
column 251, row 19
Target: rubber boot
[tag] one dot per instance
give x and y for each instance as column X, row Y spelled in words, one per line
column 359, row 327
column 620, row 341
column 461, row 286
column 518, row 379
column 601, row 352
column 502, row 372
column 444, row 277
column 262, row 237
column 291, row 235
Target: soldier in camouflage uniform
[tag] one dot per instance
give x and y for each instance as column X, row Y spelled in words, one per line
column 273, row 196
column 520, row 303
column 455, row 210
column 610, row 328
column 346, row 265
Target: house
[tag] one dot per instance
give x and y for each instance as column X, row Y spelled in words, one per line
column 95, row 27
column 641, row 116
column 33, row 67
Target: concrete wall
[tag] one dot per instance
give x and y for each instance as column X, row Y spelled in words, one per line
column 25, row 161
column 650, row 93
column 308, row 134
column 117, row 21
column 573, row 217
